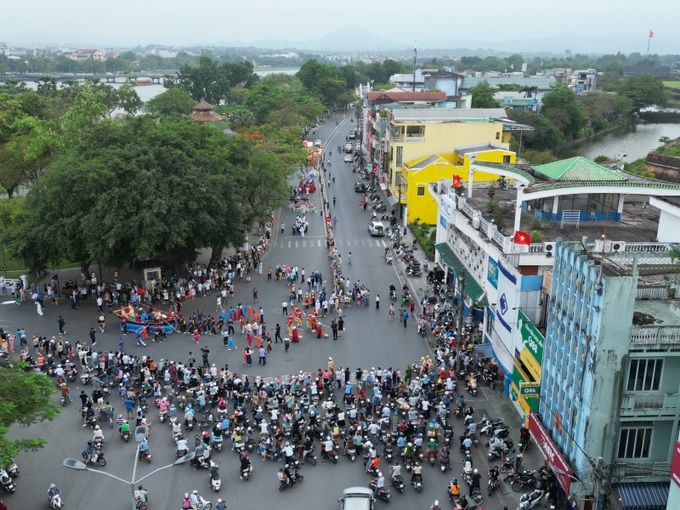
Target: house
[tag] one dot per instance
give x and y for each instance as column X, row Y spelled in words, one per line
column 580, row 312
column 419, row 133
column 533, row 87
column 86, row 54
column 583, row 81
column 405, row 80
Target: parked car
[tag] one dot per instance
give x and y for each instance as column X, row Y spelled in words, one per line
column 357, row 498
column 376, row 229
column 348, row 158
column 317, row 143
column 348, row 148
column 359, row 187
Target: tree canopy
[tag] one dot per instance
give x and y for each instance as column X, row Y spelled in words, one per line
column 25, row 398
column 482, row 96
column 644, row 90
column 562, row 108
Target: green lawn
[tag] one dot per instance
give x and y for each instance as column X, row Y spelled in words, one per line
column 672, row 84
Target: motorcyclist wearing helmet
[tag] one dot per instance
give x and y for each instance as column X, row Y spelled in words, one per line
column 417, row 473
column 288, row 452
column 454, row 490
column 141, row 494
column 52, row 492
column 186, row 502
column 221, row 505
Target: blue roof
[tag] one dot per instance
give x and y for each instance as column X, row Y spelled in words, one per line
column 644, row 496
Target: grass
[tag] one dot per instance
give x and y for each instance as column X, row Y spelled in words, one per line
column 672, row 84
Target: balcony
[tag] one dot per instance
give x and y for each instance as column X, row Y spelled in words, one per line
column 649, row 405
column 665, row 338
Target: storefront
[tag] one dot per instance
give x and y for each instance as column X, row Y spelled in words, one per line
column 553, row 458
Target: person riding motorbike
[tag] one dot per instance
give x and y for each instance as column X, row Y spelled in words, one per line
column 143, row 449
column 494, row 475
column 90, row 450
column 98, row 434
column 52, row 492
column 379, row 485
column 417, row 474
column 462, row 503
column 182, row 446
column 431, row 451
column 245, row 461
column 288, row 452
column 496, row 446
column 395, row 471
column 327, row 446
column 141, row 494
column 454, row 490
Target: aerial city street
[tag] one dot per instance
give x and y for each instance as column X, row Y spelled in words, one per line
column 268, row 255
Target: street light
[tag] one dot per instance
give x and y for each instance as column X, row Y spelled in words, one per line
column 140, row 435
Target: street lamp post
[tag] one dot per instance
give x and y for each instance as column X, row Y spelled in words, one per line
column 459, row 332
column 140, row 435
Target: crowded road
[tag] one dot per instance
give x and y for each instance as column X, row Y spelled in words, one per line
column 370, row 340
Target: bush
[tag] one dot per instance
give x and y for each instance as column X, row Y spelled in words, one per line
column 426, row 236
column 601, row 158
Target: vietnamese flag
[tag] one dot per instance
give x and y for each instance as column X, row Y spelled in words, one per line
column 522, row 238
column 456, row 181
column 651, row 34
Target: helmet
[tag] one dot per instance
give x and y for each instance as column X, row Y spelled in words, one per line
column 219, row 501
column 120, row 416
column 380, row 474
column 436, row 502
column 140, row 487
column 475, row 471
column 195, row 491
column 52, row 486
column 455, row 480
column 96, row 427
column 186, row 494
column 287, row 443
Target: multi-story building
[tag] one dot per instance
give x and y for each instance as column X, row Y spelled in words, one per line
column 610, row 392
column 587, row 333
column 528, row 91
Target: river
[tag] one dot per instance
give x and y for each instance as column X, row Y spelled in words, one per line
column 634, row 141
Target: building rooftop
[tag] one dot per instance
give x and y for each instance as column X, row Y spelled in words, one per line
column 577, row 169
column 542, row 82
column 449, row 115
column 400, row 95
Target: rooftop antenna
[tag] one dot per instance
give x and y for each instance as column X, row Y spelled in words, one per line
column 415, row 58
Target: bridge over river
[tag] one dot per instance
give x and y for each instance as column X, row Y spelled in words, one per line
column 101, row 77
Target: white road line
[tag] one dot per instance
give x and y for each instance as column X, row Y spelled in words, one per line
column 383, row 243
column 304, row 244
column 320, row 245
column 290, row 243
column 296, row 244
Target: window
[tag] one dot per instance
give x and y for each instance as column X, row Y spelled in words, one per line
column 498, row 135
column 645, row 374
column 400, row 155
column 420, row 191
column 506, row 160
column 634, row 442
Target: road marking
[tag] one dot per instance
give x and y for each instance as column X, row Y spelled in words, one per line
column 383, row 243
column 290, row 243
column 296, row 244
column 319, row 244
column 304, row 244
column 363, row 242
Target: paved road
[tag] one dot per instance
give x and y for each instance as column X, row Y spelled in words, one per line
column 370, row 341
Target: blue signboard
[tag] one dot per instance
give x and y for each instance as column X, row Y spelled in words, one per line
column 492, row 273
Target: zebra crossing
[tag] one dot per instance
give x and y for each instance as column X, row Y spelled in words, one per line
column 339, row 243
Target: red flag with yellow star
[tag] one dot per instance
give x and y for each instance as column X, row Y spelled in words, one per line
column 522, row 238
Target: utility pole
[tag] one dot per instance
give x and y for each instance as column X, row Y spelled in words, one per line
column 415, row 59
column 459, row 332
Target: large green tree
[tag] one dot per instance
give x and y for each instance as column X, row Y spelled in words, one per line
column 25, row 398
column 482, row 96
column 212, row 82
column 171, row 103
column 644, row 90
column 562, row 108
column 545, row 135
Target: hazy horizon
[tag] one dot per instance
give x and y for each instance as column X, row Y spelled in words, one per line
column 215, row 23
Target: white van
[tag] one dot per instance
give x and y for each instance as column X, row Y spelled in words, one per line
column 376, row 228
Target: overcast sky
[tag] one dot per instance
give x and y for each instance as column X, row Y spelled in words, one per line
column 204, row 22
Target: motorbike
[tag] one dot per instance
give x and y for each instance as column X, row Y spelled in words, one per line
column 7, row 482
column 12, row 469
column 296, row 478
column 492, row 485
column 530, row 500
column 382, row 494
column 145, row 455
column 512, row 462
column 125, row 436
column 310, row 457
column 203, row 504
column 163, row 415
column 55, row 501
column 190, row 423
column 487, row 426
column 217, row 442
column 388, row 454
column 388, row 258
column 393, row 295
column 99, row 443
column 418, row 483
column 85, row 377
column 72, row 375
column 398, row 483
column 351, row 453
column 331, row 455
column 95, row 457
column 246, row 472
column 523, row 480
column 215, row 482
column 444, row 461
column 64, row 400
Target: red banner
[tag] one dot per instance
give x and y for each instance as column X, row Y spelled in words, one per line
column 553, row 457
column 675, row 465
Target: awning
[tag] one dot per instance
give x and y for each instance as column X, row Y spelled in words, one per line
column 472, row 288
column 484, row 351
column 391, row 200
column 644, row 496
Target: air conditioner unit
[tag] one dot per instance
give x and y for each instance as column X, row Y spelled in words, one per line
column 603, row 246
column 549, row 249
column 475, row 222
column 618, row 246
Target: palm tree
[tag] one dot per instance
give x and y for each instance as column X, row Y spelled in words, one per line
column 529, row 90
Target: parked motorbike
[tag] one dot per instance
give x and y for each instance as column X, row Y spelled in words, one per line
column 530, row 500
column 12, row 469
column 7, row 482
column 523, row 480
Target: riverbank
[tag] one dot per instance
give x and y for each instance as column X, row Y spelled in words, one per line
column 623, row 123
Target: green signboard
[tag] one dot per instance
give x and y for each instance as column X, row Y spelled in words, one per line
column 529, row 388
column 533, row 345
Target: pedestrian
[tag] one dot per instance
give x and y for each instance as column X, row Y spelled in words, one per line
column 225, row 337
column 196, row 335
column 61, row 323
column 204, row 353
column 254, row 295
column 341, row 325
column 286, row 343
column 334, row 328
column 283, row 227
column 277, row 335
column 140, row 415
column 263, row 356
column 93, row 336
column 138, row 338
column 121, row 345
column 405, row 316
column 231, row 345
column 38, row 307
column 391, row 312
column 249, row 356
column 333, row 197
column 377, row 302
column 349, row 258
column 218, row 305
column 333, row 183
column 335, row 221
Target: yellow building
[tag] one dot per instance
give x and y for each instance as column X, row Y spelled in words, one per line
column 420, row 172
column 418, row 134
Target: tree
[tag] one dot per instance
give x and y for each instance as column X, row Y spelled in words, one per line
column 604, row 108
column 128, row 100
column 171, row 103
column 545, row 135
column 25, row 398
column 482, row 96
column 562, row 108
column 644, row 90
column 205, row 82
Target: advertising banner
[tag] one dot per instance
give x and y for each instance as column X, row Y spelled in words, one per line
column 532, row 354
column 675, row 465
column 551, row 454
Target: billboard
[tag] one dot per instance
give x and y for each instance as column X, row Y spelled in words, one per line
column 551, row 454
column 506, row 307
column 533, row 340
column 675, row 465
column 492, row 273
